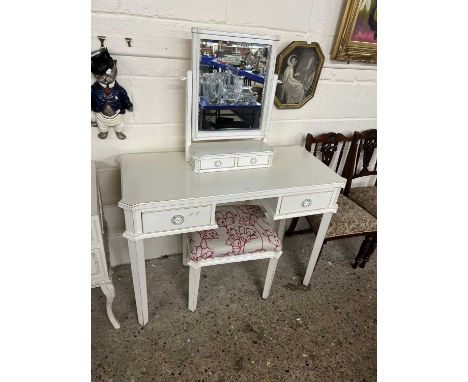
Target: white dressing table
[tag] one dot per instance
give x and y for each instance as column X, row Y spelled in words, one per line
column 162, row 195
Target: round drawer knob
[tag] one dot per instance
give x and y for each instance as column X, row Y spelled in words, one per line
column 253, row 160
column 177, row 219
column 218, row 163
column 306, row 203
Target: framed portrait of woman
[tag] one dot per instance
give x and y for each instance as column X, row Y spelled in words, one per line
column 357, row 37
column 298, row 67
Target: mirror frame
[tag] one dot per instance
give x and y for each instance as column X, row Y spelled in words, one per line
column 268, row 92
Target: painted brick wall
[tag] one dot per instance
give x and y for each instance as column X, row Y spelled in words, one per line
column 345, row 99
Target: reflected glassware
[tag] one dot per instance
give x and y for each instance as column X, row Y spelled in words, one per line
column 230, row 96
column 253, row 98
column 225, row 87
column 221, row 88
column 210, row 86
column 204, row 84
column 246, row 95
column 238, row 85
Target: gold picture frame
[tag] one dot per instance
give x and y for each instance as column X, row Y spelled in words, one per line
column 303, row 75
column 357, row 41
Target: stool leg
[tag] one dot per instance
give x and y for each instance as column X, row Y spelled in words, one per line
column 194, row 282
column 269, row 277
column 281, row 226
column 292, row 226
column 184, row 250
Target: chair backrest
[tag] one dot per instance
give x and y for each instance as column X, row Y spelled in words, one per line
column 328, row 145
column 362, row 157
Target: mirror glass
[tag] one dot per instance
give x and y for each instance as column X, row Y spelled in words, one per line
column 232, row 79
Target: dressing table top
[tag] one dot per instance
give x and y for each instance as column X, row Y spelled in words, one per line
column 166, row 179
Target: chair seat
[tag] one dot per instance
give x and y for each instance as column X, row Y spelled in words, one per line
column 241, row 229
column 366, row 197
column 350, row 219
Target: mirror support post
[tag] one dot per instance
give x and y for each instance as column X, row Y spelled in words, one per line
column 270, row 106
column 188, row 115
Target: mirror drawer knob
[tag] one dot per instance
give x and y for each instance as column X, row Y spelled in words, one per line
column 253, row 160
column 177, row 219
column 306, row 203
column 218, row 163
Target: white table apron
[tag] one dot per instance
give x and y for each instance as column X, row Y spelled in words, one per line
column 161, row 196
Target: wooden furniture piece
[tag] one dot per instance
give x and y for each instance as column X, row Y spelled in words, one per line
column 364, row 157
column 161, row 195
column 351, row 219
column 100, row 274
column 244, row 234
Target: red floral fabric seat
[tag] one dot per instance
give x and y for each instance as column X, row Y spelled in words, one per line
column 241, row 229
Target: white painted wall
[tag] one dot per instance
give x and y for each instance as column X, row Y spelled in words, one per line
column 345, row 99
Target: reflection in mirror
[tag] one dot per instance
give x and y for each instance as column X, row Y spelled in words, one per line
column 232, row 78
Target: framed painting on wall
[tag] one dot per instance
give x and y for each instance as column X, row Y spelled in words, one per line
column 357, row 37
column 298, row 67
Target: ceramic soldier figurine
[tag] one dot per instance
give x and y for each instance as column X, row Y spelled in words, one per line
column 108, row 99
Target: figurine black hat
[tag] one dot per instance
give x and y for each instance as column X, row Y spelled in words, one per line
column 101, row 61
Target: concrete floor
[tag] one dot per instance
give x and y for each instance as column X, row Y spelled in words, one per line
column 326, row 332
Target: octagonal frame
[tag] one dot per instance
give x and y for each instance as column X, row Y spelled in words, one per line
column 280, row 59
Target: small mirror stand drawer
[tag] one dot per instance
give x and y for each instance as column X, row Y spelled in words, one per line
column 252, row 161
column 219, row 163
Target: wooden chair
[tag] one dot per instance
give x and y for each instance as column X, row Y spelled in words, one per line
column 362, row 154
column 350, row 220
column 243, row 234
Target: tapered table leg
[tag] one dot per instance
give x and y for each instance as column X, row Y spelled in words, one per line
column 137, row 262
column 317, row 246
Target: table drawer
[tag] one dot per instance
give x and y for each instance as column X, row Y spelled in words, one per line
column 306, row 202
column 254, row 160
column 175, row 219
column 217, row 163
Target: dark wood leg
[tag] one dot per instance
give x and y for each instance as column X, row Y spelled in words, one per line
column 292, row 226
column 370, row 251
column 366, row 243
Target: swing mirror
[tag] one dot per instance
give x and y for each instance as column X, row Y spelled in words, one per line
column 232, row 84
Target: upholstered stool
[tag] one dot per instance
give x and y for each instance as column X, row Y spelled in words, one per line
column 243, row 234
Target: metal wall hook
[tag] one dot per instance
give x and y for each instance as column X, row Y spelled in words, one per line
column 102, row 39
column 129, row 41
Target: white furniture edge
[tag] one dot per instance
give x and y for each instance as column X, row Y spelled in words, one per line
column 234, row 259
column 188, row 116
column 230, row 154
column 253, row 195
column 136, row 237
column 103, row 279
column 235, row 34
